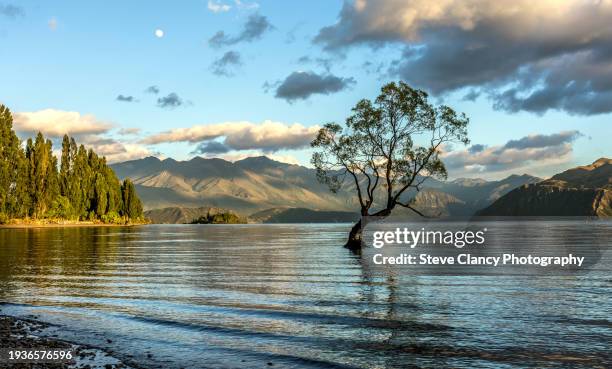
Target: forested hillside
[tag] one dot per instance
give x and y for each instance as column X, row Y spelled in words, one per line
column 81, row 186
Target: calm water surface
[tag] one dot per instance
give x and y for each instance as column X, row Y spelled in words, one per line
column 289, row 295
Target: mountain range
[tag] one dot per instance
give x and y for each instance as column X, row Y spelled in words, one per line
column 584, row 190
column 259, row 184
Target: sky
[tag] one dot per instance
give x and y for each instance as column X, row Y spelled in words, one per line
column 231, row 79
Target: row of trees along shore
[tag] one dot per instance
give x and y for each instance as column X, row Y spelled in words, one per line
column 81, row 186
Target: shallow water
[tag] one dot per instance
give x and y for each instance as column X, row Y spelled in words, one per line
column 212, row 296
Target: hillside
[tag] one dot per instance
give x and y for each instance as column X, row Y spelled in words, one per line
column 581, row 191
column 257, row 184
column 478, row 193
column 245, row 186
column 302, row 215
column 596, row 175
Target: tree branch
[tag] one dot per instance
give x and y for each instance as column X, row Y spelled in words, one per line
column 413, row 209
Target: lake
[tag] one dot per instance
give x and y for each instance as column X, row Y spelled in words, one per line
column 289, row 296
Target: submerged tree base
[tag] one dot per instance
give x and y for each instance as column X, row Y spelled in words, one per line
column 353, row 242
column 353, row 245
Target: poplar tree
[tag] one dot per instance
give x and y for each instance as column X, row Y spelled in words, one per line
column 132, row 207
column 65, row 167
column 81, row 186
column 13, row 191
column 44, row 186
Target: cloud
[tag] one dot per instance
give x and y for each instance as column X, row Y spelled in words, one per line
column 537, row 141
column 531, row 56
column 129, row 131
column 224, row 65
column 268, row 136
column 125, row 98
column 288, row 159
column 246, row 6
column 57, row 123
column 301, row 85
column 472, row 95
column 476, row 148
column 254, row 28
column 114, row 150
column 524, row 152
column 325, row 63
column 152, row 90
column 218, row 6
column 171, row 101
column 11, row 11
column 211, row 147
column 125, row 151
column 85, row 128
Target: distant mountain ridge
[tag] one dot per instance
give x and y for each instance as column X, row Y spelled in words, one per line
column 474, row 194
column 259, row 183
column 596, row 175
column 581, row 191
column 245, row 186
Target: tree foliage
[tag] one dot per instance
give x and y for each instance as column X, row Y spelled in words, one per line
column 14, row 196
column 388, row 148
column 33, row 184
column 132, row 207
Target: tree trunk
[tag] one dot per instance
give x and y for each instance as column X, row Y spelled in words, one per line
column 353, row 242
column 354, row 239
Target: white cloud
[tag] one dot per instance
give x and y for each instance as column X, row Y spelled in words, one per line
column 289, row 159
column 114, row 150
column 119, row 152
column 56, row 123
column 86, row 129
column 218, row 6
column 246, row 6
column 129, row 131
column 268, row 136
column 525, row 154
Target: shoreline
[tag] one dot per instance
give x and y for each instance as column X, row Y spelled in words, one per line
column 19, row 333
column 49, row 223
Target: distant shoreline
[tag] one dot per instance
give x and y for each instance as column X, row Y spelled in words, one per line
column 20, row 224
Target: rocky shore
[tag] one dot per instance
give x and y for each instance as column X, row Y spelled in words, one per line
column 25, row 333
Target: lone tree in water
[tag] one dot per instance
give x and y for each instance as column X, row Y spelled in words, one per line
column 388, row 149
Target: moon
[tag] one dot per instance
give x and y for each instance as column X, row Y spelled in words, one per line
column 159, row 33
